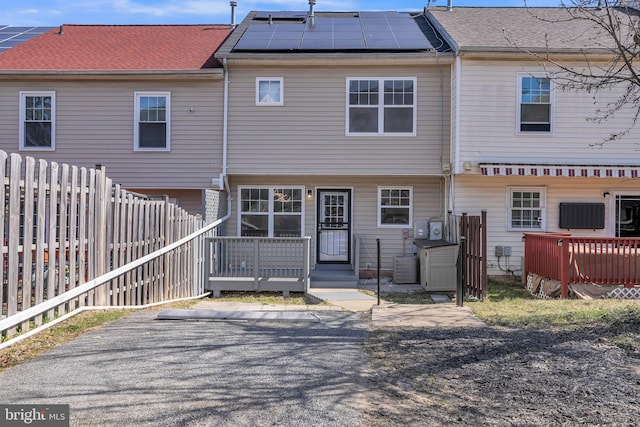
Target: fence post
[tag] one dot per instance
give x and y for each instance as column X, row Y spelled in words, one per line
column 100, row 230
column 461, row 273
column 483, row 260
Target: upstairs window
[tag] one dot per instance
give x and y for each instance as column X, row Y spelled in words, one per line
column 381, row 106
column 535, row 103
column 152, row 121
column 37, row 120
column 269, row 91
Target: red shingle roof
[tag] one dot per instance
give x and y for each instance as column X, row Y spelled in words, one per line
column 119, row 47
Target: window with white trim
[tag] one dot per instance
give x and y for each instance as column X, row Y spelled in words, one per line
column 269, row 91
column 37, row 120
column 271, row 211
column 627, row 215
column 527, row 208
column 152, row 124
column 535, row 103
column 395, row 206
column 381, row 106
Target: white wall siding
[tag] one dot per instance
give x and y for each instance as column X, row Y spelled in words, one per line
column 427, row 203
column 307, row 134
column 474, row 194
column 488, row 121
column 94, row 125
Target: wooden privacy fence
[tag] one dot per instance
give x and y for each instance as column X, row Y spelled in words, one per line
column 474, row 255
column 569, row 259
column 64, row 227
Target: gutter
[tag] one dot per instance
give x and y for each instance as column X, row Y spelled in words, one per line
column 112, row 75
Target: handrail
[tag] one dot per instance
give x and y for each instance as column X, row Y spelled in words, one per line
column 56, row 301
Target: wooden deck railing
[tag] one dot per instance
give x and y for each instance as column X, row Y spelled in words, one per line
column 569, row 259
column 257, row 264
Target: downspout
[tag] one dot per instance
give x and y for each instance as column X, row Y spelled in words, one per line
column 224, row 178
column 225, row 126
column 456, row 145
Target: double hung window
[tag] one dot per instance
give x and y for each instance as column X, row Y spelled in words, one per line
column 37, row 120
column 271, row 211
column 527, row 208
column 152, row 121
column 381, row 106
column 535, row 103
column 395, row 206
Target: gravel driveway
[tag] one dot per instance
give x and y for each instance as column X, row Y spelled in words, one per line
column 143, row 372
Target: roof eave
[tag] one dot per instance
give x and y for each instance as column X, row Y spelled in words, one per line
column 203, row 74
column 484, row 51
column 343, row 58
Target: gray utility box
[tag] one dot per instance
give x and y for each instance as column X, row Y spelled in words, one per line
column 438, row 272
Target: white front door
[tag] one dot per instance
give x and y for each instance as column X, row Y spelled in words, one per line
column 334, row 226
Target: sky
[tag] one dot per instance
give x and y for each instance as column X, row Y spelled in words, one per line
column 57, row 12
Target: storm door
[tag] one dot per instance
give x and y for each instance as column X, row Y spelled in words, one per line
column 334, row 226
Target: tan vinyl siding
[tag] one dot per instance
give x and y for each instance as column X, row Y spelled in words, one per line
column 190, row 200
column 307, row 134
column 427, row 203
column 474, row 194
column 94, row 124
column 488, row 121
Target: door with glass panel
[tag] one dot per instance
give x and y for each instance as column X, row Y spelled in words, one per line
column 334, row 226
column 627, row 216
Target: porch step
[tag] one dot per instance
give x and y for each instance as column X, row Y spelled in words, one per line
column 333, row 278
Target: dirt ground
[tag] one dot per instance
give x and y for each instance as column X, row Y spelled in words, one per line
column 496, row 376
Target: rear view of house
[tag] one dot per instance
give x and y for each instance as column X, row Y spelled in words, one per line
column 338, row 129
column 145, row 101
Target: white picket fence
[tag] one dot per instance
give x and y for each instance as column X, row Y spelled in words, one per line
column 71, row 239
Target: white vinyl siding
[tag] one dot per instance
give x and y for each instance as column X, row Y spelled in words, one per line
column 37, row 129
column 307, row 134
column 152, row 123
column 488, row 116
column 269, row 91
column 94, row 124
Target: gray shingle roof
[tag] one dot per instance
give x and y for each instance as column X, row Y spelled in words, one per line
column 514, row 28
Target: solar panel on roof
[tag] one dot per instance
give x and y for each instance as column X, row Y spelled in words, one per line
column 334, row 31
column 13, row 36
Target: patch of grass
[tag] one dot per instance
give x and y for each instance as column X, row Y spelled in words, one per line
column 407, row 297
column 275, row 298
column 509, row 304
column 71, row 328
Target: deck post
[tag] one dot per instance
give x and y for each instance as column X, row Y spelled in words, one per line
column 256, row 263
column 564, row 267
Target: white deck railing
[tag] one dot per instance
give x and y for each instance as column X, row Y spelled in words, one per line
column 279, row 264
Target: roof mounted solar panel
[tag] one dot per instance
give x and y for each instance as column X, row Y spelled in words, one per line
column 333, row 31
column 13, row 36
column 285, row 14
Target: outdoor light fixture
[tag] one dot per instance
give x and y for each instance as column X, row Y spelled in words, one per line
column 309, row 193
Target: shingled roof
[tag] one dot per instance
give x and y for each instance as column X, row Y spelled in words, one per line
column 119, row 48
column 518, row 28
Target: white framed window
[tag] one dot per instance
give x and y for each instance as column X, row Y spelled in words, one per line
column 381, row 106
column 536, row 106
column 152, row 121
column 527, row 208
column 271, row 211
column 269, row 91
column 37, row 121
column 395, row 206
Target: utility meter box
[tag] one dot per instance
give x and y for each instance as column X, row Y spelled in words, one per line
column 420, row 230
column 435, row 230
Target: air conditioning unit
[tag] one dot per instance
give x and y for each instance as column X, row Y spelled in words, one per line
column 435, row 230
column 405, row 269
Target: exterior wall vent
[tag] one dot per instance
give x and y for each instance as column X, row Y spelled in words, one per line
column 582, row 216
